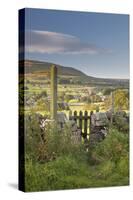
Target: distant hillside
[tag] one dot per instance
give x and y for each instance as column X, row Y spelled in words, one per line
column 32, row 66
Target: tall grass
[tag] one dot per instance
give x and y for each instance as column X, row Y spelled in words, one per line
column 59, row 163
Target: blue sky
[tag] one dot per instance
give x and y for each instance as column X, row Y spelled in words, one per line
column 95, row 43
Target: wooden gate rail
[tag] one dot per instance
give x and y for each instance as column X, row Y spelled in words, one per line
column 83, row 119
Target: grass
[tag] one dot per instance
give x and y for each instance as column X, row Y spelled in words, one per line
column 107, row 164
column 68, row 173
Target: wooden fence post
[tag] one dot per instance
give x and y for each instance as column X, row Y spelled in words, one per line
column 112, row 101
column 70, row 115
column 80, row 120
column 75, row 116
column 91, row 113
column 85, row 124
column 53, row 108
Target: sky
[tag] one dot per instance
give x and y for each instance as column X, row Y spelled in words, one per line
column 95, row 43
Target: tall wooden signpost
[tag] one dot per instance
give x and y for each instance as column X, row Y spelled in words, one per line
column 53, row 106
column 112, row 101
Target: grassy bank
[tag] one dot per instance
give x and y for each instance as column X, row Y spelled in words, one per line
column 106, row 164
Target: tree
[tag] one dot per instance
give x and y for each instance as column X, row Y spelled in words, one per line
column 107, row 91
column 107, row 103
column 121, row 99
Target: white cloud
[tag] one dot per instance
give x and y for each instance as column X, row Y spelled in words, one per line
column 52, row 42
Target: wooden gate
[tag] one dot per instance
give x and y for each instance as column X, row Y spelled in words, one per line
column 83, row 120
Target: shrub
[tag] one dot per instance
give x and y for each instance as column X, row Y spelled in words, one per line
column 114, row 147
column 105, row 169
column 121, row 123
column 107, row 91
column 60, row 141
column 53, row 161
column 65, row 172
column 123, row 166
column 47, row 144
column 111, row 160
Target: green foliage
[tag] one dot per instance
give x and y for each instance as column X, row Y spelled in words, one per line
column 73, row 101
column 68, row 97
column 123, row 166
column 64, row 81
column 42, row 94
column 42, row 105
column 61, row 96
column 107, row 91
column 106, row 164
column 121, row 99
column 121, row 123
column 114, row 147
column 106, row 168
column 32, row 135
column 110, row 159
column 108, row 103
column 85, row 99
column 47, row 144
column 95, row 98
column 58, row 174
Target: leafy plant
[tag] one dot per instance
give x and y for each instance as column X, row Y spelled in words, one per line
column 53, row 161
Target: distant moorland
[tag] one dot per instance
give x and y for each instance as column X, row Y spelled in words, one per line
column 69, row 75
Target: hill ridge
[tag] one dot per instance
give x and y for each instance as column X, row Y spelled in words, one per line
column 34, row 66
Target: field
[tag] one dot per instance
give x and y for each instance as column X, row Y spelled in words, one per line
column 78, row 97
column 104, row 164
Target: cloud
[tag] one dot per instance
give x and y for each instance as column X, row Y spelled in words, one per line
column 53, row 42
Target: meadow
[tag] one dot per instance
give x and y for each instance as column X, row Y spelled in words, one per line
column 57, row 163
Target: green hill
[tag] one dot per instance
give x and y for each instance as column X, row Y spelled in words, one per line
column 69, row 73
